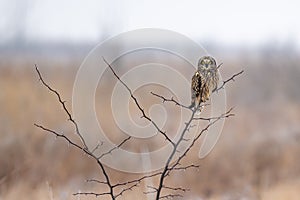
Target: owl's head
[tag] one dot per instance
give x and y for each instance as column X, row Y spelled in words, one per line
column 207, row 62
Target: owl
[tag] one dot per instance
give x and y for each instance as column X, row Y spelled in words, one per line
column 204, row 81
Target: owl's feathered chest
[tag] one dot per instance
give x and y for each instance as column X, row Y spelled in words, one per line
column 207, row 74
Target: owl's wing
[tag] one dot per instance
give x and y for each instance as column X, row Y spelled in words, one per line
column 197, row 82
column 194, row 89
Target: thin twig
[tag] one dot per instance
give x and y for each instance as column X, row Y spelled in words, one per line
column 168, row 167
column 177, row 188
column 92, row 193
column 137, row 180
column 97, row 146
column 61, row 136
column 225, row 115
column 111, row 193
column 186, row 167
column 63, row 103
column 114, row 148
column 219, row 65
column 84, row 148
column 170, row 100
column 138, row 105
column 170, row 196
column 95, row 181
column 230, row 79
column 126, row 189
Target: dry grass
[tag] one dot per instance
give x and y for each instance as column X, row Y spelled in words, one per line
column 256, row 157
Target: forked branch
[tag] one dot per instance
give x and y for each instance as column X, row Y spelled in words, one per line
column 232, row 78
column 138, row 104
column 82, row 147
column 172, row 164
column 168, row 166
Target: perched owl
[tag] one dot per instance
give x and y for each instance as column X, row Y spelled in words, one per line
column 204, row 81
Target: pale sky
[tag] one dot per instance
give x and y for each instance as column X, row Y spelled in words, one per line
column 226, row 22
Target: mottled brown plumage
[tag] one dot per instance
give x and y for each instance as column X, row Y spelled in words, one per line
column 204, row 81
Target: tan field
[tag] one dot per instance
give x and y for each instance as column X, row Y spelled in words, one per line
column 256, row 156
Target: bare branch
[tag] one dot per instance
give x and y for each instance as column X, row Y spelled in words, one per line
column 85, row 151
column 137, row 180
column 225, row 115
column 97, row 146
column 127, row 189
column 92, row 194
column 84, row 148
column 95, row 181
column 116, row 147
column 170, row 100
column 186, row 167
column 154, row 190
column 188, row 129
column 61, row 136
column 177, row 189
column 170, row 196
column 230, row 79
column 219, row 65
column 166, row 168
column 137, row 103
column 63, row 103
column 123, row 187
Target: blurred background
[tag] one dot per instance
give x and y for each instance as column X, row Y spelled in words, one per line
column 257, row 154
